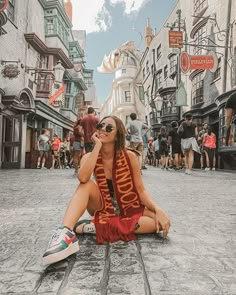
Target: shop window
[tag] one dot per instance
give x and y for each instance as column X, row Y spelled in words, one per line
column 222, row 131
column 199, row 5
column 197, row 89
column 217, row 72
column 10, row 11
column 127, row 96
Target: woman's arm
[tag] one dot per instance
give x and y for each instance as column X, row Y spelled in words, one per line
column 88, row 161
column 161, row 217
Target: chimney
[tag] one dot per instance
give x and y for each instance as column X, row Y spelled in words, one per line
column 68, row 8
column 148, row 33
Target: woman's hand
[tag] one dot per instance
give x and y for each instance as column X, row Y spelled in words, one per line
column 162, row 222
column 96, row 140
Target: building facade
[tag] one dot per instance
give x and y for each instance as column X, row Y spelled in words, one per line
column 41, row 78
column 126, row 90
column 208, row 29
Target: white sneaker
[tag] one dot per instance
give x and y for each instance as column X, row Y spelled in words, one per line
column 213, row 169
column 63, row 243
column 188, row 171
column 207, row 169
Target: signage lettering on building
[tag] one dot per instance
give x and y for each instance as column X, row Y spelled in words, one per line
column 198, row 62
column 10, row 71
column 3, row 4
column 175, row 39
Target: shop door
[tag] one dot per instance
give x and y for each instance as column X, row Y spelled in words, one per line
column 11, row 142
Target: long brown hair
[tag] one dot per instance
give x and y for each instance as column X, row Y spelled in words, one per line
column 120, row 133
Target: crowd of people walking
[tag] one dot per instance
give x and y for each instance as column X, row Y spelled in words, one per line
column 172, row 148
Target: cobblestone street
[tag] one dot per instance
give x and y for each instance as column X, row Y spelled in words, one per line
column 198, row 258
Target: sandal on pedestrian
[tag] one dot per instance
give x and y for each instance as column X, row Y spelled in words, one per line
column 85, row 226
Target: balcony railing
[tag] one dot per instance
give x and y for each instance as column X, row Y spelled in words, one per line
column 44, row 82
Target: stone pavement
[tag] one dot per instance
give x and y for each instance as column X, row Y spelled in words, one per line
column 198, row 258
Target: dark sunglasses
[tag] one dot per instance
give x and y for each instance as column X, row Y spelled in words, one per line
column 108, row 128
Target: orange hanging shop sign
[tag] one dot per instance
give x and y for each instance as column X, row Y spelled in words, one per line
column 198, row 62
column 3, row 4
column 175, row 39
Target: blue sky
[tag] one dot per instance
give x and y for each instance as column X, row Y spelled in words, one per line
column 109, row 23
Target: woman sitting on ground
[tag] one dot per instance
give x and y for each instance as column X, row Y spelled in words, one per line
column 118, row 201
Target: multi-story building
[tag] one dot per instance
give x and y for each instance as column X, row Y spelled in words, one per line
column 41, row 77
column 126, row 91
column 208, row 26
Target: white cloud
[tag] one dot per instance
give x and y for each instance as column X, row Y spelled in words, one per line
column 90, row 15
column 130, row 5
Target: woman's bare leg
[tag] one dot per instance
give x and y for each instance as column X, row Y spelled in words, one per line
column 207, row 160
column 186, row 160
column 147, row 223
column 86, row 196
column 76, row 161
column 190, row 159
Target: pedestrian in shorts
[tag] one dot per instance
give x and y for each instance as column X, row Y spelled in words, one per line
column 43, row 144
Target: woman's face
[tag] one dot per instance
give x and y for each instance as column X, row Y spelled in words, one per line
column 108, row 135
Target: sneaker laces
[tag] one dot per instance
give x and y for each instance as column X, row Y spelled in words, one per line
column 56, row 237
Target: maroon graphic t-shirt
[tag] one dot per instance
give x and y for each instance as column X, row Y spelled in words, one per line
column 89, row 124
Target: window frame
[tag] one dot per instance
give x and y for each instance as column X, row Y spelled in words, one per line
column 197, row 89
column 173, row 63
column 158, row 52
column 198, row 38
column 127, row 96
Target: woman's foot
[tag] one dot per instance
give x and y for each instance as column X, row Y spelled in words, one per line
column 63, row 243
